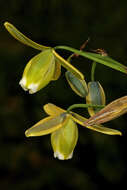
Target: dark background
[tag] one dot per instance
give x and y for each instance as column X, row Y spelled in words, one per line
column 99, row 161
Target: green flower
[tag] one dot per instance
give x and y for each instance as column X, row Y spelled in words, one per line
column 63, row 129
column 42, row 68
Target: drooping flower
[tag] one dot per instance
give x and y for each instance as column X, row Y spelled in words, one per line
column 42, row 68
column 63, row 129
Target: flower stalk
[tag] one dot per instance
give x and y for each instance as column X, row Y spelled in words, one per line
column 84, row 106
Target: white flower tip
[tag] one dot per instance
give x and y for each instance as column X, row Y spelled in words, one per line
column 23, row 83
column 61, row 156
column 70, row 156
column 33, row 88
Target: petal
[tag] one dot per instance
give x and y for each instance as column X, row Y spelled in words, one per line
column 68, row 66
column 47, row 125
column 52, row 109
column 95, row 96
column 105, row 130
column 109, row 112
column 77, row 85
column 22, row 38
column 99, row 128
column 57, row 71
column 78, row 118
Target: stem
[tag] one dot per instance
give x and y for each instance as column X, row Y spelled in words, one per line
column 84, row 106
column 70, row 57
column 93, row 71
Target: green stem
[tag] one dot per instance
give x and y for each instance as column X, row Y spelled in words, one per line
column 84, row 106
column 93, row 71
column 69, row 58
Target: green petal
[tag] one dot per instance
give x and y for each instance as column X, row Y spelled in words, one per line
column 47, row 125
column 105, row 130
column 68, row 66
column 96, row 96
column 57, row 71
column 109, row 112
column 78, row 118
column 52, row 109
column 99, row 128
column 22, row 38
column 77, row 85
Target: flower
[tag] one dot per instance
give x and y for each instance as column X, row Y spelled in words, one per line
column 38, row 72
column 63, row 129
column 42, row 68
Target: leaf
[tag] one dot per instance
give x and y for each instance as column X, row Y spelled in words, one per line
column 105, row 60
column 22, row 38
column 68, row 66
column 47, row 125
column 99, row 128
column 109, row 112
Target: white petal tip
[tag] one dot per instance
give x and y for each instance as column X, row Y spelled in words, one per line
column 33, row 88
column 61, row 156
column 23, row 83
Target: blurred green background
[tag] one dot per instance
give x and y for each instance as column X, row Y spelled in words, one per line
column 99, row 161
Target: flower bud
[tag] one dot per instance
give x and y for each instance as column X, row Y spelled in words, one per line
column 38, row 72
column 78, row 86
column 95, row 96
column 64, row 140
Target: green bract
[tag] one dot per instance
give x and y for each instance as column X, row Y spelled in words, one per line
column 42, row 68
column 64, row 133
column 78, row 86
column 96, row 96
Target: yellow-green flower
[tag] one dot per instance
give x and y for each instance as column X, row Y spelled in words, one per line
column 63, row 129
column 42, row 68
